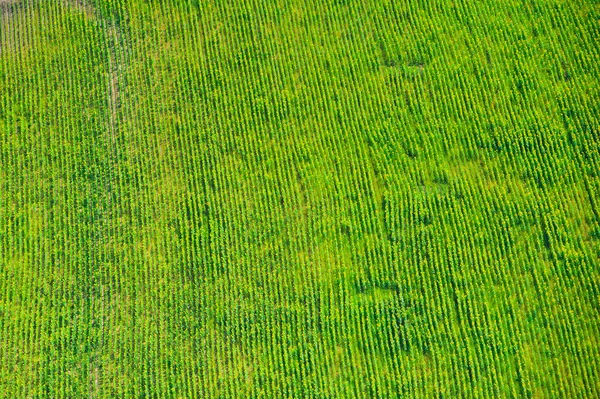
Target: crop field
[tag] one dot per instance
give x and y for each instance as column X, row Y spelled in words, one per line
column 300, row 199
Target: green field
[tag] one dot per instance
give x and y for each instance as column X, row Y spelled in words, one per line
column 300, row 199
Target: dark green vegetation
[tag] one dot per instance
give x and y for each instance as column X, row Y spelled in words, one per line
column 290, row 199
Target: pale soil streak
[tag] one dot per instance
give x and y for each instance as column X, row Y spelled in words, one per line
column 83, row 6
column 9, row 27
column 113, row 83
column 117, row 60
column 113, row 39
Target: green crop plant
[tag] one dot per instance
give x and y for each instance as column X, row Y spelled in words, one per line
column 301, row 199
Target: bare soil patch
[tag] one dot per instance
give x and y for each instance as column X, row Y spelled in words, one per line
column 84, row 6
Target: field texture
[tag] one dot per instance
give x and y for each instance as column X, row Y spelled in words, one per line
column 299, row 199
